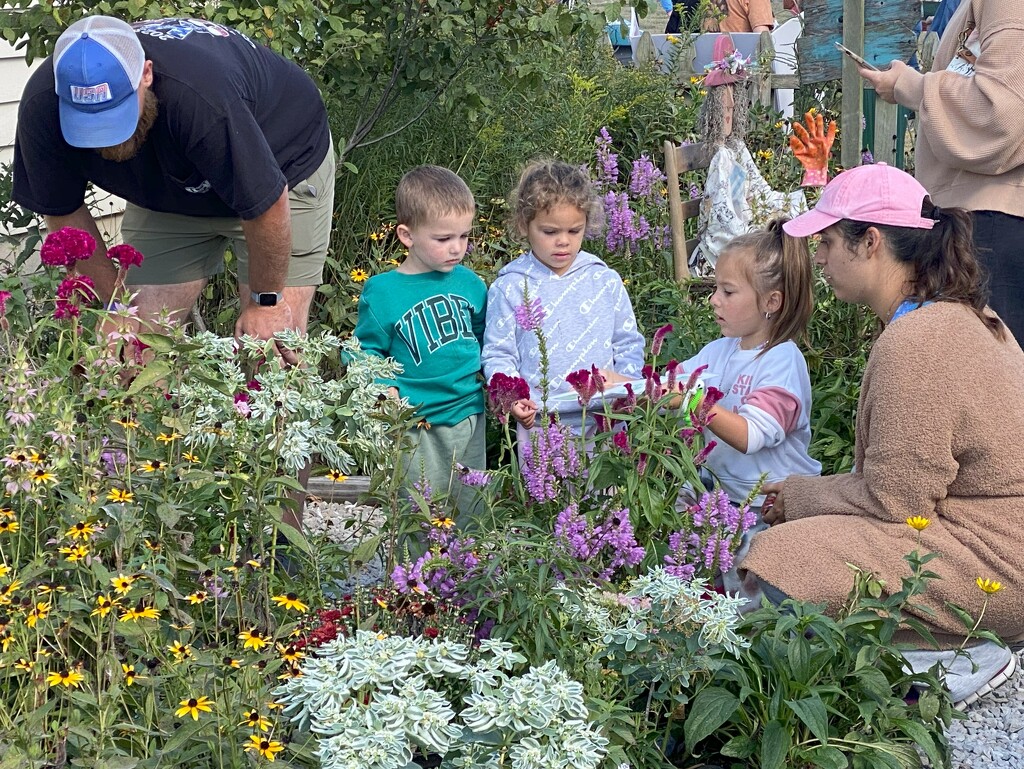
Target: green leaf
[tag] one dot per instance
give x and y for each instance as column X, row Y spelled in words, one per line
column 711, row 708
column 827, row 757
column 799, row 659
column 149, row 376
column 158, row 342
column 740, row 746
column 811, row 710
column 168, row 514
column 928, row 705
column 775, row 744
column 924, row 737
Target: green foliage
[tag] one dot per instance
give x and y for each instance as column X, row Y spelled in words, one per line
column 817, row 691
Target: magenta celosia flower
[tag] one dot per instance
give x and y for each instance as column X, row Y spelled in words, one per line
column 659, row 339
column 4, row 296
column 126, row 256
column 621, row 441
column 66, row 246
column 503, row 391
column 65, row 309
column 702, row 457
column 585, row 385
column 530, row 315
column 77, row 287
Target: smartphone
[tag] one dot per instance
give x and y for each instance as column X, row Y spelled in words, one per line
column 856, row 57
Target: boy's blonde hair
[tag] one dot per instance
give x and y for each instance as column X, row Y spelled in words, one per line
column 429, row 192
column 547, row 183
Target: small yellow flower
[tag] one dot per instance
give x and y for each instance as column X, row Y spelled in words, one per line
column 289, row 601
column 181, row 651
column 358, row 275
column 74, row 553
column 4, row 570
column 264, row 746
column 23, row 664
column 122, row 584
column 694, row 80
column 152, row 546
column 289, row 671
column 8, row 513
column 70, row 679
column 274, row 705
column 83, row 530
column 130, row 675
column 153, row 466
column 336, row 476
column 36, row 458
column 6, row 639
column 40, row 611
column 120, row 495
column 254, row 720
column 9, row 527
column 189, row 456
column 254, row 564
column 231, row 662
column 289, row 653
column 43, row 476
column 127, row 423
column 442, row 523
column 381, row 602
column 672, row 39
column 193, row 706
column 104, row 605
column 139, row 612
column 197, row 597
column 918, row 522
column 252, row 639
column 813, row 110
column 990, row 586
column 165, row 438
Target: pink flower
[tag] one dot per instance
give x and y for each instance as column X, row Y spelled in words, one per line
column 503, row 391
column 703, row 455
column 659, row 339
column 66, row 309
column 66, row 246
column 125, row 256
column 4, row 296
column 75, row 287
column 621, row 441
column 530, row 315
column 585, row 385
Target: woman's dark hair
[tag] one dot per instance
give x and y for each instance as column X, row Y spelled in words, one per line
column 946, row 266
column 778, row 262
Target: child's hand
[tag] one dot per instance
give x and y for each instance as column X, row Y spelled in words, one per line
column 774, row 509
column 524, row 412
column 613, row 378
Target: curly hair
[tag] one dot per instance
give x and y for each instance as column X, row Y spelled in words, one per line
column 546, row 183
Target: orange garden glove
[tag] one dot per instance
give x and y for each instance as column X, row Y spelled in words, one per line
column 812, row 147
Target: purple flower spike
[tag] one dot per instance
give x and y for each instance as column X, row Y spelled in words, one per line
column 530, row 315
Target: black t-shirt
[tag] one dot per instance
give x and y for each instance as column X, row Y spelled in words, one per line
column 236, row 122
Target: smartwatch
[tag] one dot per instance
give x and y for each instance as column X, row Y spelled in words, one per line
column 267, row 298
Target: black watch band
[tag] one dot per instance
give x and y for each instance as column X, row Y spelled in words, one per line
column 267, row 298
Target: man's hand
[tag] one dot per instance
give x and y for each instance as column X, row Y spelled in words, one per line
column 812, row 146
column 524, row 412
column 264, row 322
column 884, row 81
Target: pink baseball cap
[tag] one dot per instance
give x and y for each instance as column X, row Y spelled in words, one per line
column 727, row 64
column 875, row 194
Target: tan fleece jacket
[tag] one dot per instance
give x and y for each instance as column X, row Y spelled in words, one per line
column 940, row 433
column 970, row 143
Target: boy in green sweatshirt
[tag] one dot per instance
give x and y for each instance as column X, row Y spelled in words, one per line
column 428, row 314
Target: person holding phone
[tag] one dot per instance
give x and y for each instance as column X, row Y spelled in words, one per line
column 970, row 150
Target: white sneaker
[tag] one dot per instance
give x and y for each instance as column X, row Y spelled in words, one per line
column 970, row 674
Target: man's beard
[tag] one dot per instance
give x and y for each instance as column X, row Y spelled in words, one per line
column 129, row 148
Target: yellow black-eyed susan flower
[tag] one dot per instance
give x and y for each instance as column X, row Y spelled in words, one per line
column 83, row 530
column 289, row 671
column 181, row 651
column 255, row 720
column 231, row 662
column 8, row 513
column 104, row 605
column 139, row 612
column 918, row 522
column 6, row 639
column 130, row 674
column 165, row 438
column 4, row 570
column 9, row 527
column 197, row 597
column 442, row 522
column 264, row 746
column 122, row 584
column 990, row 586
column 120, row 495
column 74, row 553
column 39, row 611
column 193, row 706
column 70, row 679
column 252, row 639
column 358, row 275
column 289, row 653
column 289, row 601
column 152, row 545
column 43, row 476
column 23, row 664
column 336, row 476
column 189, row 456
column 274, row 705
column 152, row 466
column 127, row 423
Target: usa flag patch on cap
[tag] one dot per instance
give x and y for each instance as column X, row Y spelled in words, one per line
column 91, row 94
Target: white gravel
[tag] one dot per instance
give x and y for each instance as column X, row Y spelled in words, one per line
column 991, row 737
column 993, row 734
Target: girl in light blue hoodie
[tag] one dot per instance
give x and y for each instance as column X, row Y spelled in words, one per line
column 580, row 303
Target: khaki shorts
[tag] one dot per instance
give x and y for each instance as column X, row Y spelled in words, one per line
column 181, row 249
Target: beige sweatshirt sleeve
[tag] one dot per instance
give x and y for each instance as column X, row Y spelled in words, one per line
column 974, row 122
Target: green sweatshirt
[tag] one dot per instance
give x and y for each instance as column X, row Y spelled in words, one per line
column 433, row 324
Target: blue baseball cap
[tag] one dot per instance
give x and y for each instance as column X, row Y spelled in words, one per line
column 97, row 67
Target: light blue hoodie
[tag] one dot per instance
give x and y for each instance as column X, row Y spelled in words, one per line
column 588, row 321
